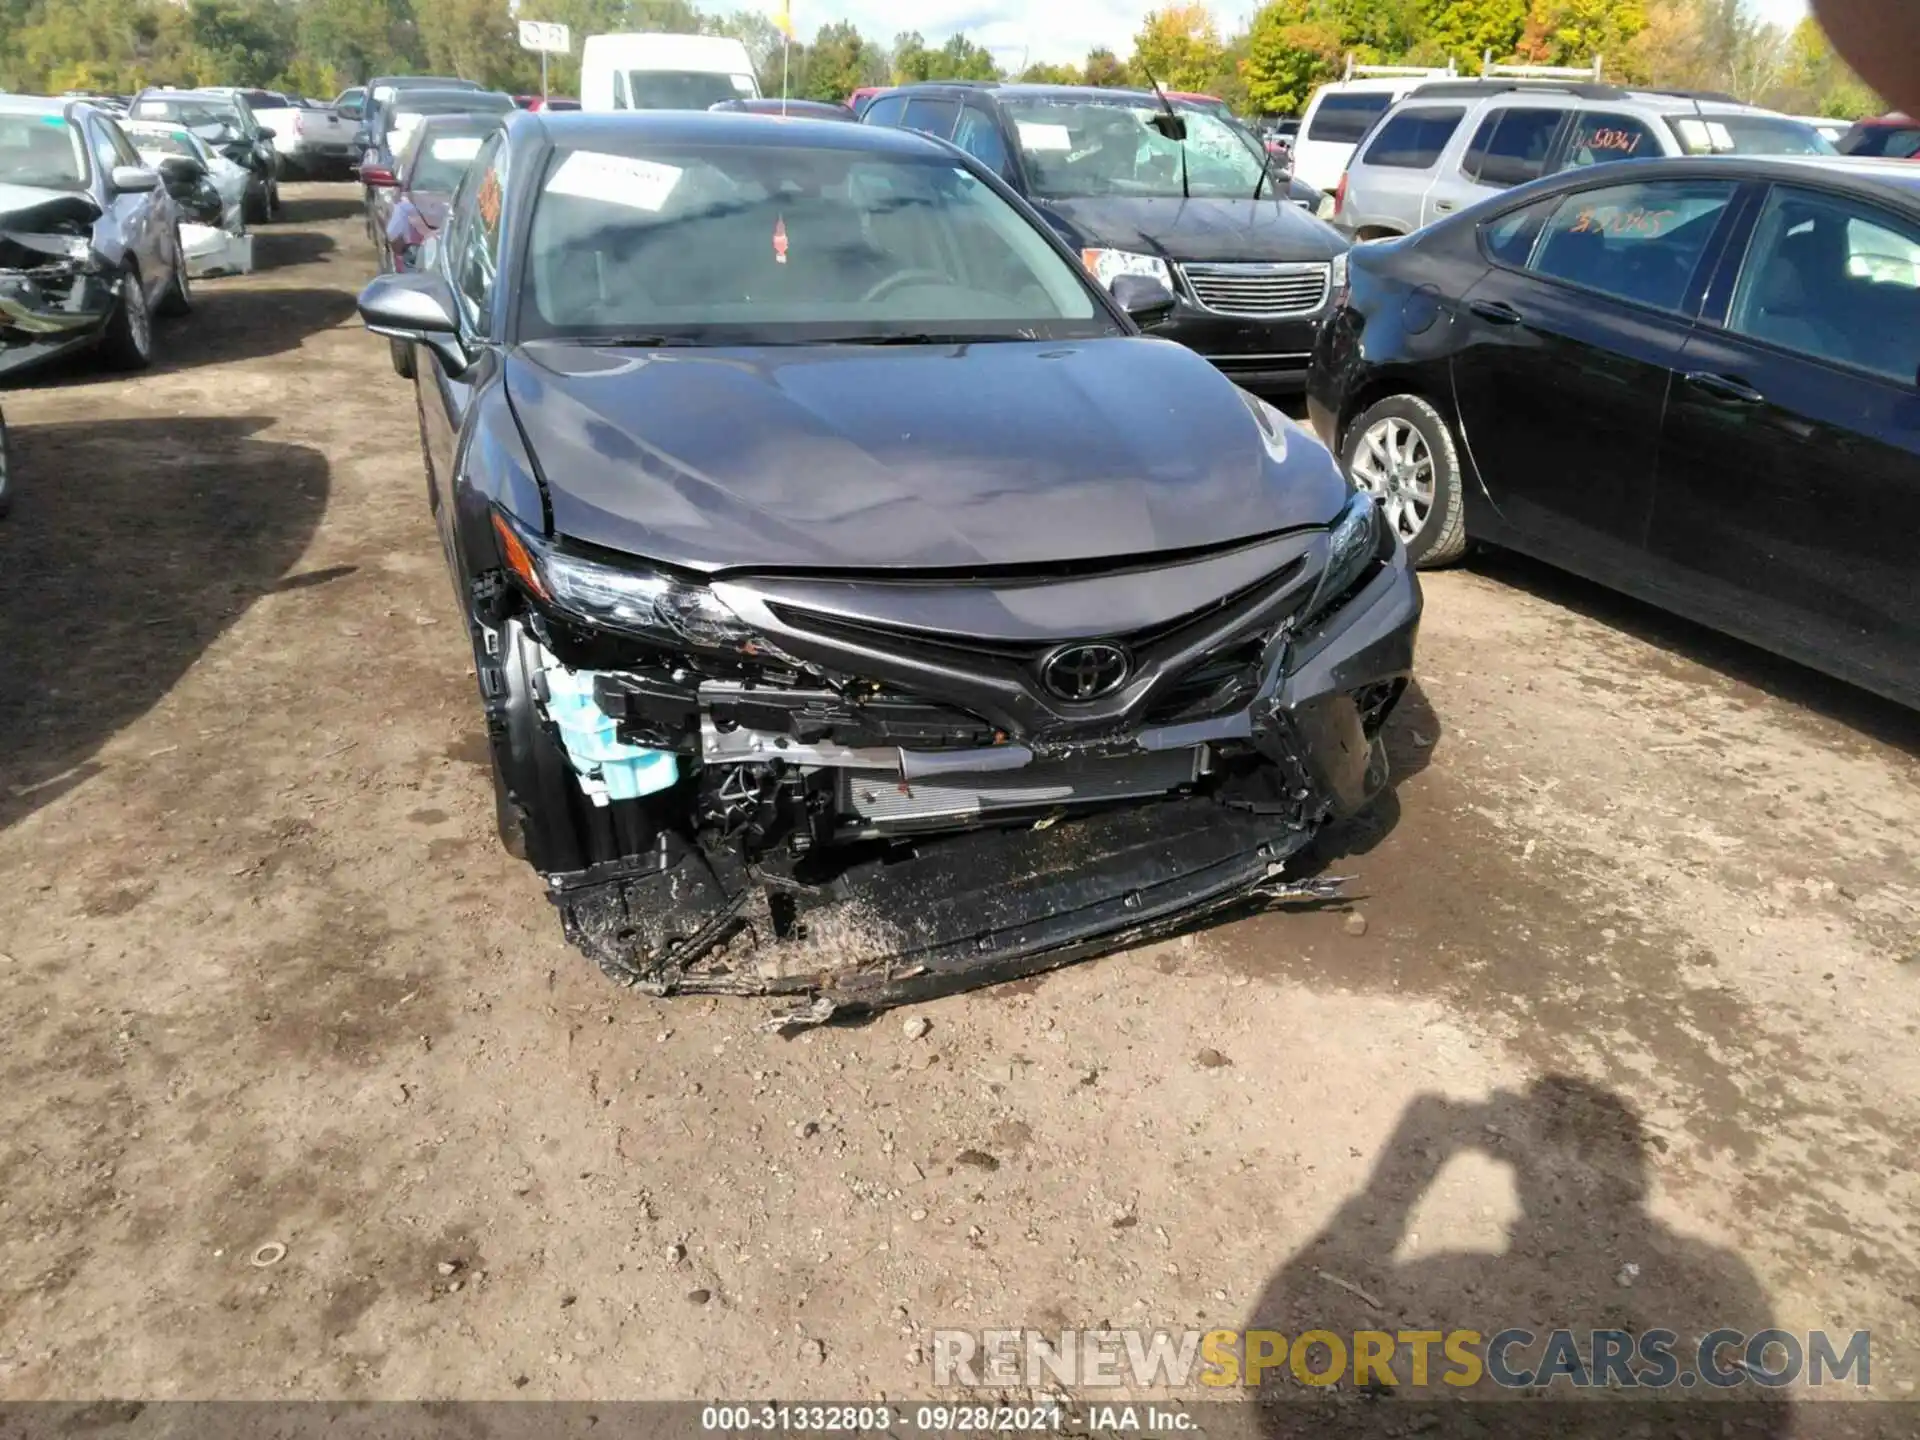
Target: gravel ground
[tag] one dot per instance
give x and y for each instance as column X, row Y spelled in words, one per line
column 1629, row 980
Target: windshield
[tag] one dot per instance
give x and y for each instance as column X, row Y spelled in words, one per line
column 154, row 143
column 1076, row 148
column 789, row 244
column 42, row 151
column 1887, row 141
column 193, row 113
column 441, row 160
column 684, row 89
column 1735, row 134
column 411, row 112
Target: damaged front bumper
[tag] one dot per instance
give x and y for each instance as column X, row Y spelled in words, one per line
column 874, row 842
column 54, row 294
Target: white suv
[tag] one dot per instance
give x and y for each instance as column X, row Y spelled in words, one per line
column 1339, row 114
column 1451, row 143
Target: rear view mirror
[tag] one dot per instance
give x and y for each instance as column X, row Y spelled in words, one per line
column 267, row 132
column 132, row 179
column 416, row 305
column 1144, row 298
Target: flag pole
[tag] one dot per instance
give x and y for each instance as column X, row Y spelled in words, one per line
column 786, row 51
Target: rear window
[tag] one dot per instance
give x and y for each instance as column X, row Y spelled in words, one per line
column 1413, row 139
column 1746, row 135
column 441, row 160
column 1890, row 142
column 1512, row 145
column 1345, row 119
column 1599, row 137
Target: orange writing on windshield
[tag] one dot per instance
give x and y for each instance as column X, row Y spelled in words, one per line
column 1621, row 223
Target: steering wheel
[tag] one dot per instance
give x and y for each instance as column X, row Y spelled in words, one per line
column 900, row 279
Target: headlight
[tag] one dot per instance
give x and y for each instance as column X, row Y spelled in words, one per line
column 1350, row 547
column 1107, row 265
column 631, row 600
column 1338, row 286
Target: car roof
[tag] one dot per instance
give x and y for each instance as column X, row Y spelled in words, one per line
column 1095, row 93
column 35, row 105
column 582, row 129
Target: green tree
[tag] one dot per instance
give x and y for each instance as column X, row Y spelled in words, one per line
column 1465, row 30
column 1047, row 73
column 911, row 60
column 240, row 42
column 477, row 40
column 358, row 39
column 1289, row 55
column 961, row 59
column 839, row 61
column 1572, row 32
column 1816, row 81
column 1105, row 69
column 1180, row 48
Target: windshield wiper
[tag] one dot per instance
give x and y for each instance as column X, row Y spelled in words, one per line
column 919, row 338
column 640, row 341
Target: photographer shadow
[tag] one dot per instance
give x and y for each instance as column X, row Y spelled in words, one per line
column 1583, row 1254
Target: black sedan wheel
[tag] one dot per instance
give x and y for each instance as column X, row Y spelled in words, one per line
column 128, row 341
column 1401, row 450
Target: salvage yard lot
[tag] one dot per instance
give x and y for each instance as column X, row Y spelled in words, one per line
column 268, row 980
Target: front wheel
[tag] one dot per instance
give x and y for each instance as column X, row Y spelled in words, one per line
column 6, row 470
column 1402, row 452
column 127, row 343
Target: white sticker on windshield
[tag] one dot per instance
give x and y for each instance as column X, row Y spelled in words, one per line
column 743, row 83
column 383, row 92
column 616, row 179
column 460, row 148
column 1035, row 136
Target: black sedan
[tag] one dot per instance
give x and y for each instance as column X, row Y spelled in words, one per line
column 1692, row 380
column 1140, row 185
column 861, row 605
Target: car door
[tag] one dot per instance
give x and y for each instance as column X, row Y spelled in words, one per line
column 1790, row 460
column 128, row 217
column 1567, row 346
column 933, row 114
column 155, row 226
column 469, row 259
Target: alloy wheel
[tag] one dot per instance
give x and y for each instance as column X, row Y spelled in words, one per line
column 133, row 294
column 1394, row 463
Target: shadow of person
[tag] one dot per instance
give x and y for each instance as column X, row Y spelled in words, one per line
column 1583, row 1255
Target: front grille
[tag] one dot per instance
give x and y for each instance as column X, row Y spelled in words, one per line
column 1264, row 290
column 882, row 797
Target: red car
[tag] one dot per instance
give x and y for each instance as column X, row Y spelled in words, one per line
column 1890, row 137
column 550, row 102
column 858, row 101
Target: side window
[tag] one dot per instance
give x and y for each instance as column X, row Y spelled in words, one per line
column 1596, row 137
column 935, row 117
column 1413, row 139
column 105, row 156
column 1512, row 145
column 1834, row 279
column 1510, row 238
column 1345, row 119
column 122, row 146
column 886, row 110
column 474, row 248
column 979, row 135
column 1636, row 242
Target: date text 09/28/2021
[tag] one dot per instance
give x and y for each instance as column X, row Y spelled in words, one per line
column 930, row 1419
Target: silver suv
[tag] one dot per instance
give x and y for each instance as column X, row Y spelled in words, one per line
column 1448, row 144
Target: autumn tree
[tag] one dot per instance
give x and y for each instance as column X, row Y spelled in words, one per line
column 1180, row 48
column 1816, row 81
column 1465, row 31
column 1105, row 69
column 1045, row 73
column 1573, row 32
column 1289, row 53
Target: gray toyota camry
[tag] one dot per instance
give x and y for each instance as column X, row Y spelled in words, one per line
column 862, row 606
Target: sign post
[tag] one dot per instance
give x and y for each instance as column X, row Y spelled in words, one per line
column 548, row 39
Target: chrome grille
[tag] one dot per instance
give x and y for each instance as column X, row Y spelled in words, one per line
column 881, row 796
column 1291, row 288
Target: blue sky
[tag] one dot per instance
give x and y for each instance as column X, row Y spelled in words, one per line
column 1055, row 30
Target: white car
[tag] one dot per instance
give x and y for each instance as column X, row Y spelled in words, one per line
column 223, row 249
column 1340, row 114
column 309, row 140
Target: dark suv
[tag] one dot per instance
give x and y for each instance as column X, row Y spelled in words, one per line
column 1142, row 186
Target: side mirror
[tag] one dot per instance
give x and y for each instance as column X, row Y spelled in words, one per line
column 416, row 305
column 133, row 179
column 267, row 132
column 378, row 176
column 1144, row 298
column 181, row 170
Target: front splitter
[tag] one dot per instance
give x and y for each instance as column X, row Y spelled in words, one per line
column 953, row 913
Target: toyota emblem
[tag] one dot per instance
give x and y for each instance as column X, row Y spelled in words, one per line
column 1079, row 673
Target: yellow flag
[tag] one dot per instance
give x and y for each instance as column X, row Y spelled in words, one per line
column 783, row 18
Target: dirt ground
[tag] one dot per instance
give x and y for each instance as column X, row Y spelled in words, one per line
column 1645, row 907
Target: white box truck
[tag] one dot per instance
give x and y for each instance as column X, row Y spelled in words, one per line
column 646, row 71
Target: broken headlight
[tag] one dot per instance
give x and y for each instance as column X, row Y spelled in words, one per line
column 1351, row 547
column 630, row 599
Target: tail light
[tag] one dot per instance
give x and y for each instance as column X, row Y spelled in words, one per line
column 1340, row 195
column 299, row 123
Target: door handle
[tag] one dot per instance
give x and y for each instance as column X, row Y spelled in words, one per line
column 1442, row 207
column 1725, row 387
column 1497, row 312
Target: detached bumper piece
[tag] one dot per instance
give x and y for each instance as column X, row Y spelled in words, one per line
column 961, row 911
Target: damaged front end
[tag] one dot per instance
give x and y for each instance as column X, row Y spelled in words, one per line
column 55, row 289
column 871, row 789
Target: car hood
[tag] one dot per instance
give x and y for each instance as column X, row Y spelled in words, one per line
column 948, row 456
column 32, row 209
column 1176, row 229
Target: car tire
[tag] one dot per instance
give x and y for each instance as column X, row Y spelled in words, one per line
column 1402, row 451
column 127, row 342
column 179, row 297
column 274, row 212
column 402, row 358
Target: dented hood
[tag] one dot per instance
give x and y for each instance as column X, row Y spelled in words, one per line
column 852, row 457
column 32, row 210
